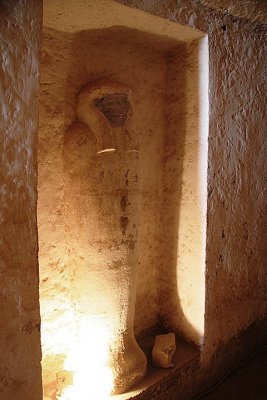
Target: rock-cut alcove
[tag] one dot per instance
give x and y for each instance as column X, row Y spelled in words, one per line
column 122, row 192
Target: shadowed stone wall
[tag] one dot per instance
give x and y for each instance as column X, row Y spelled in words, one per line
column 20, row 370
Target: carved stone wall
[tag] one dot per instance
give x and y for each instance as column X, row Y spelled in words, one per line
column 162, row 74
column 236, row 278
column 63, row 77
column 20, row 31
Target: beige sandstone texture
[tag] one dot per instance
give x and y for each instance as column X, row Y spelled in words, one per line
column 169, row 283
column 78, row 224
column 253, row 10
column 20, row 352
column 73, row 75
column 236, row 276
column 235, row 283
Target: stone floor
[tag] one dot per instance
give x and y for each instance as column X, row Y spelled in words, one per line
column 248, row 382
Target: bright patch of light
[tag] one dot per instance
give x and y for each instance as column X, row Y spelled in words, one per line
column 92, row 376
column 106, row 151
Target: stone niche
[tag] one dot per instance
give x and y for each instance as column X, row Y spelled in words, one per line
column 122, row 164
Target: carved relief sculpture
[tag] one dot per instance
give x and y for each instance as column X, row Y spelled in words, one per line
column 102, row 199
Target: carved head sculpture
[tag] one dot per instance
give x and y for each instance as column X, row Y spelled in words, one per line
column 105, row 107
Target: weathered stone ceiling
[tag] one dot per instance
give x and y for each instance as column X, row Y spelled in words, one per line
column 255, row 10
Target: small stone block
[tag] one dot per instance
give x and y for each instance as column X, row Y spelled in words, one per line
column 163, row 351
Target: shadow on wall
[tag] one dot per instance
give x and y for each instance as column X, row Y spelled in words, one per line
column 172, row 316
column 182, row 292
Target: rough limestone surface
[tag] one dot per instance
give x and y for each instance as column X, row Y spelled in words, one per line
column 236, row 278
column 235, row 274
column 159, row 80
column 63, row 77
column 254, row 10
column 20, row 371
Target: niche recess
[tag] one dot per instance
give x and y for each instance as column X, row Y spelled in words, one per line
column 164, row 68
